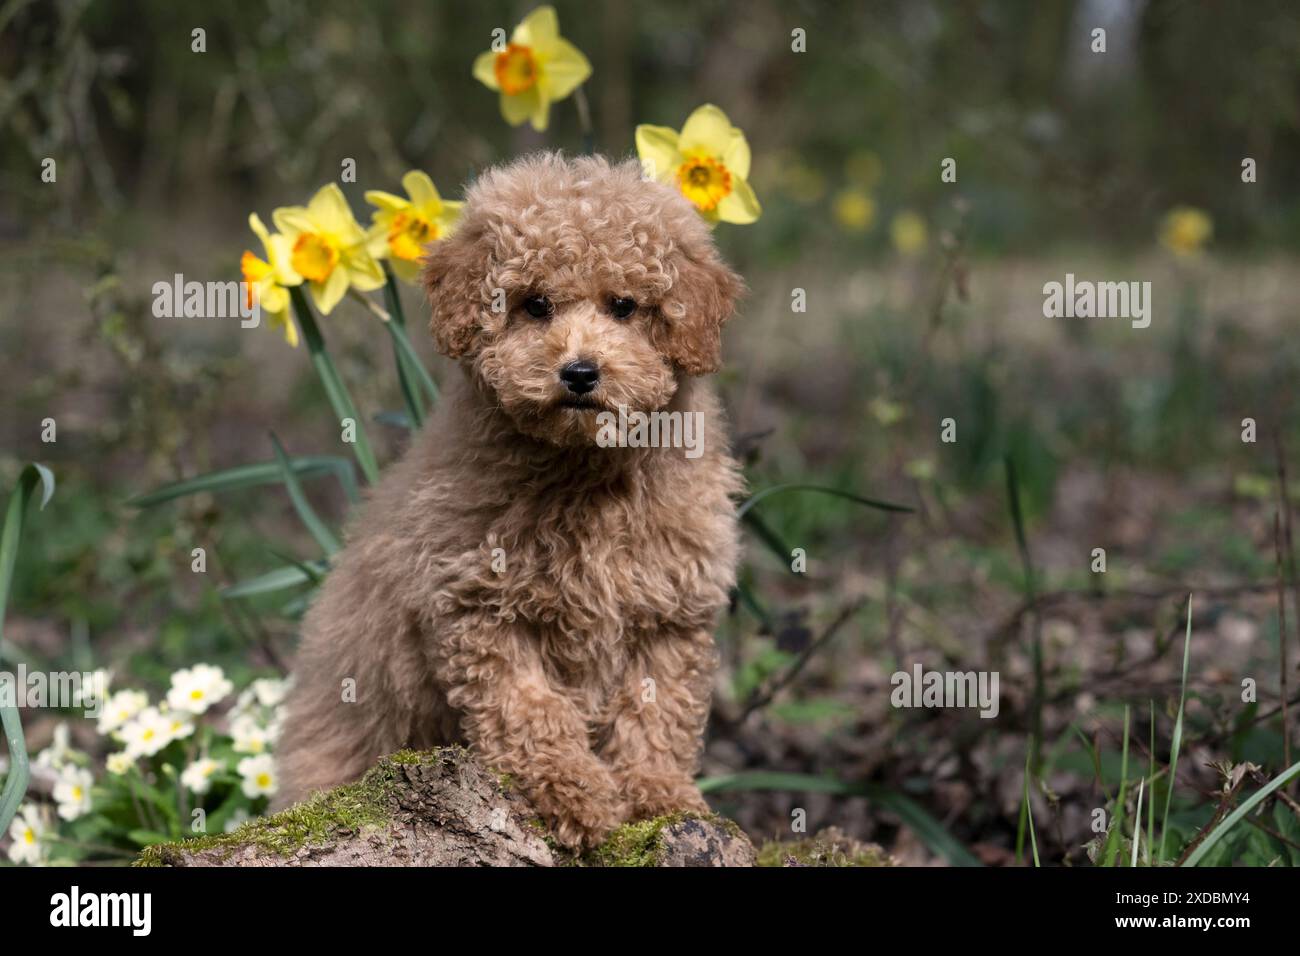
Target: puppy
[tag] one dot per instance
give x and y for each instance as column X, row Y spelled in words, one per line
column 514, row 583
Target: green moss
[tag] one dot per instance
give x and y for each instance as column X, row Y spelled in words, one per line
column 351, row 807
column 824, row 851
column 634, row 844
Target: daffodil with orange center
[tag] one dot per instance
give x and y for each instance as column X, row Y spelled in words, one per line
column 267, row 280
column 708, row 161
column 328, row 248
column 536, row 68
column 404, row 226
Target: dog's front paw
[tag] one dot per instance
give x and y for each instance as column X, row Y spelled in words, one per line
column 658, row 794
column 581, row 812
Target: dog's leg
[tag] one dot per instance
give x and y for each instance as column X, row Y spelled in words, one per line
column 519, row 724
column 657, row 723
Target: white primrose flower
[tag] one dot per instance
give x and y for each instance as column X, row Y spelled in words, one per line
column 72, row 792
column 58, row 754
column 198, row 775
column 26, row 831
column 270, row 691
column 197, row 688
column 147, row 733
column 179, row 724
column 258, row 776
column 250, row 736
column 119, row 763
column 121, row 708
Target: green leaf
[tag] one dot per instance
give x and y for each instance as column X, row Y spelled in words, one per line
column 323, row 535
column 848, row 495
column 279, row 579
column 406, row 352
column 407, row 374
column 1235, row 817
column 249, row 476
column 19, row 775
column 337, row 393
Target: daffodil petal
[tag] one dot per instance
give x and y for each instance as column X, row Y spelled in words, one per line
column 736, row 157
column 708, row 130
column 564, row 68
column 377, row 197
column 327, row 294
column 290, row 327
column 485, row 70
column 520, row 106
column 420, row 188
column 281, row 252
column 740, row 205
column 330, row 210
column 408, row 270
column 259, row 229
column 540, row 27
column 541, row 115
column 449, row 217
column 292, row 220
column 363, row 271
column 657, row 147
column 273, row 299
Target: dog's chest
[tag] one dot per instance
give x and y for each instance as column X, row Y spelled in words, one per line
column 603, row 570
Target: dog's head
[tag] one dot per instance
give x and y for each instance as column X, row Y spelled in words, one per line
column 573, row 286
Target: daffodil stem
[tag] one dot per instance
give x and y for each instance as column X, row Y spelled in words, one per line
column 375, row 308
column 584, row 120
column 405, row 374
column 335, row 390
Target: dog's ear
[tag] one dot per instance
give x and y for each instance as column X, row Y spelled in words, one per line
column 453, row 281
column 703, row 296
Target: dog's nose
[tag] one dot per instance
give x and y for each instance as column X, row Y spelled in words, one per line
column 581, row 377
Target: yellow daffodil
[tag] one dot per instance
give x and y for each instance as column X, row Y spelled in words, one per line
column 854, row 210
column 538, row 67
column 908, row 233
column 1185, row 230
column 708, row 161
column 328, row 247
column 403, row 227
column 268, row 279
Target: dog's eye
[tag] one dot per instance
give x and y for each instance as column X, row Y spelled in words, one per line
column 622, row 308
column 538, row 306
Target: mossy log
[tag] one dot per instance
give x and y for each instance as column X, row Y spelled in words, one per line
column 442, row 808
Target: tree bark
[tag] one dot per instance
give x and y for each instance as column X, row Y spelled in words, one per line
column 442, row 808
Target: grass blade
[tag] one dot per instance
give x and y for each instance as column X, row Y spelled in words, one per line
column 324, row 537
column 1114, row 841
column 1219, row 832
column 1177, row 741
column 339, row 398
column 848, row 495
column 1029, row 809
column 19, row 774
column 1137, row 824
column 248, row 476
